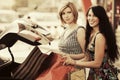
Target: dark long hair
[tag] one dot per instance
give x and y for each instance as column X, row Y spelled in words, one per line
column 106, row 29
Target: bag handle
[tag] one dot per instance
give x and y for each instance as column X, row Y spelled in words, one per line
column 11, row 54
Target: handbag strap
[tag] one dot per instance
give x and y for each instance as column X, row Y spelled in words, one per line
column 11, row 54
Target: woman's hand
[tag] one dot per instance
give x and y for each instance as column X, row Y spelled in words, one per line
column 69, row 61
column 64, row 56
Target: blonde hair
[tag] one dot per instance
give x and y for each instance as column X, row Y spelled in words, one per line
column 73, row 9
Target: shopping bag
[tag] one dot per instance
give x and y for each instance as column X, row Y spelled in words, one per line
column 56, row 70
column 29, row 69
column 77, row 74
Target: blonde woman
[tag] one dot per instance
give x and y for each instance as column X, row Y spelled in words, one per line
column 71, row 44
